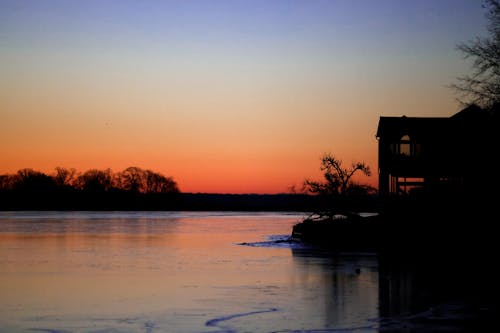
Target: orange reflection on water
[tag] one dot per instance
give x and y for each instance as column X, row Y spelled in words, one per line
column 178, row 273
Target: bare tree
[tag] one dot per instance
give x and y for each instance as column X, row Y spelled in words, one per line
column 482, row 86
column 138, row 180
column 158, row 183
column 65, row 177
column 30, row 180
column 95, row 180
column 338, row 180
column 131, row 179
column 6, row 182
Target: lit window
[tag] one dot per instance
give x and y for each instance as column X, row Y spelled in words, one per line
column 404, row 145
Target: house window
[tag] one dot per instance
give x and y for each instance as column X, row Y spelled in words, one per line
column 404, row 145
column 407, row 185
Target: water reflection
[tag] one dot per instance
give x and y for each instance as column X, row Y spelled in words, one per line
column 163, row 272
column 344, row 286
column 423, row 291
column 88, row 223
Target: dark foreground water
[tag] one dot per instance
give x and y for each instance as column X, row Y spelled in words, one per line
column 191, row 272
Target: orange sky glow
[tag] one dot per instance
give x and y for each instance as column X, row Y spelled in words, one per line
column 229, row 98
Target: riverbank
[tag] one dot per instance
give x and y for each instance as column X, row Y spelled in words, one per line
column 122, row 200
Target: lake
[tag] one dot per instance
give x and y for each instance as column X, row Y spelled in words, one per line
column 184, row 272
column 175, row 272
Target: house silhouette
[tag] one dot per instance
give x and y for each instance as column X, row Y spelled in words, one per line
column 452, row 156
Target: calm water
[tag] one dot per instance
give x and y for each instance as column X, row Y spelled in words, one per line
column 176, row 272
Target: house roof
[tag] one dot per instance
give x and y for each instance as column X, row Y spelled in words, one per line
column 471, row 111
column 419, row 128
column 396, row 127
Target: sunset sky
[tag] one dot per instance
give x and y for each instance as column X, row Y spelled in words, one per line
column 224, row 96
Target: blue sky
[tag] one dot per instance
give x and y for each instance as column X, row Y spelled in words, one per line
column 271, row 84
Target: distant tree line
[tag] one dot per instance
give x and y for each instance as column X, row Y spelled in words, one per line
column 139, row 189
column 94, row 189
column 132, row 179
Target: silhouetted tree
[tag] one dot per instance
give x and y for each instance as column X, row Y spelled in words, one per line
column 6, row 182
column 131, row 179
column 338, row 180
column 65, row 178
column 482, row 86
column 95, row 180
column 134, row 179
column 29, row 180
column 158, row 183
column 93, row 189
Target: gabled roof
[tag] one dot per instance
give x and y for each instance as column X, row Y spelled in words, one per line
column 395, row 127
column 469, row 110
column 471, row 113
